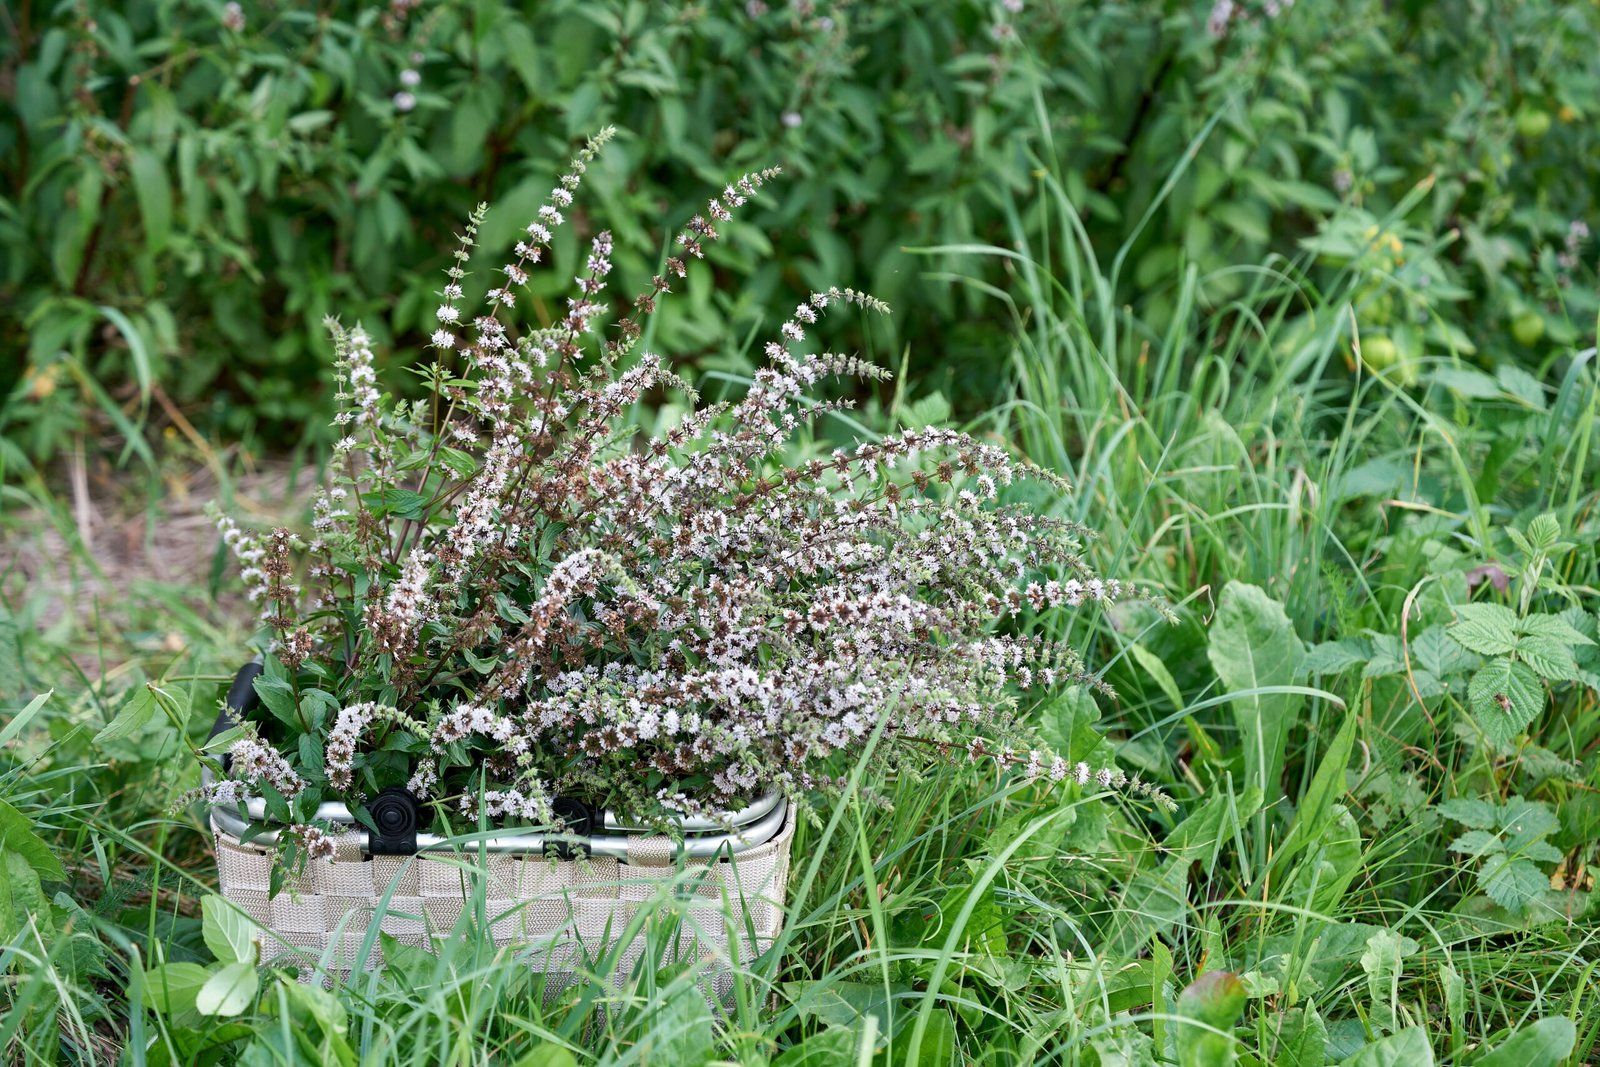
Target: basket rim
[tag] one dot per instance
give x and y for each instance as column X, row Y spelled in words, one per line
column 756, row 831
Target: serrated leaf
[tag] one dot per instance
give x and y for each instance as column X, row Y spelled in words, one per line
column 1524, row 820
column 1331, row 657
column 1544, row 531
column 1477, row 843
column 1554, row 627
column 1511, row 883
column 1434, row 650
column 1548, row 657
column 1505, row 697
column 1488, row 629
column 1478, row 814
column 229, row 933
column 228, row 991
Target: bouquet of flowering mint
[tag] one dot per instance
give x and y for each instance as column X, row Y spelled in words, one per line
column 510, row 594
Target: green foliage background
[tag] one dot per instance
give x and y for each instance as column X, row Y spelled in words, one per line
column 184, row 202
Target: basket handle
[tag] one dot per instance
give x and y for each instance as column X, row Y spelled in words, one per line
column 241, row 700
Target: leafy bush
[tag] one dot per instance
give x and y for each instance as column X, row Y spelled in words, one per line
column 191, row 189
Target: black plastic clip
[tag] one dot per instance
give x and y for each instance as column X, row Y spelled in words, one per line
column 578, row 820
column 394, row 813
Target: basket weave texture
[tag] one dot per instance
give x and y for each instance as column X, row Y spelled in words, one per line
column 566, row 911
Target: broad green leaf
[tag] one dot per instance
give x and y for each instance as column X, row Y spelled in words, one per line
column 154, row 193
column 1478, row 814
column 830, row 1047
column 1548, row 657
column 1505, row 697
column 1408, row 1048
column 548, row 1055
column 1488, row 629
column 229, row 933
column 135, row 714
column 1214, row 1000
column 171, row 988
column 16, row 835
column 1545, row 1043
column 1477, row 843
column 679, row 1031
column 1384, row 963
column 1553, row 627
column 1253, row 646
column 1158, row 671
column 1331, row 657
column 228, row 991
column 22, row 901
column 1301, row 1040
column 1511, row 883
column 1434, row 650
column 1316, row 813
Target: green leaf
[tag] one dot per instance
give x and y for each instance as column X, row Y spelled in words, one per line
column 1511, row 883
column 1332, row 657
column 680, row 1031
column 229, row 990
column 1488, row 629
column 1545, row 1043
column 1544, row 531
column 1302, row 1039
column 171, row 988
column 1408, row 1048
column 277, row 696
column 135, row 714
column 830, row 1047
column 1548, row 657
column 1553, row 627
column 21, row 719
column 1252, row 647
column 1158, row 671
column 229, row 933
column 16, row 835
column 1505, row 697
column 1437, row 653
column 22, row 901
column 548, row 1055
column 1315, row 813
column 1478, row 814
column 154, row 193
column 1477, row 843
column 1213, row 1000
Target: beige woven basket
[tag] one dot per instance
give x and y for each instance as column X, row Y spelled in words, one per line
column 565, row 912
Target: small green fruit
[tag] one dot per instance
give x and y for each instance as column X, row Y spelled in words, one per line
column 1379, row 353
column 1533, row 123
column 1528, row 328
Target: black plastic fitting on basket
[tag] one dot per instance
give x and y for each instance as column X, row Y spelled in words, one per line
column 580, row 820
column 395, row 815
column 241, row 700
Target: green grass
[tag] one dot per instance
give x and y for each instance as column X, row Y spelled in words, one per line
column 959, row 918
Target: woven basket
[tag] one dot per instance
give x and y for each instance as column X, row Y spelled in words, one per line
column 564, row 911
